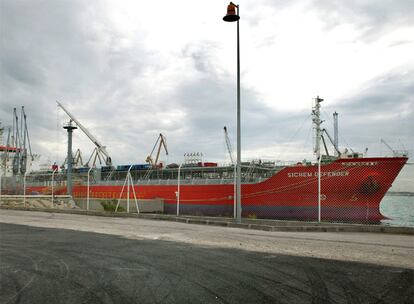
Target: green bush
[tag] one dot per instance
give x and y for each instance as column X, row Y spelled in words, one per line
column 111, row 205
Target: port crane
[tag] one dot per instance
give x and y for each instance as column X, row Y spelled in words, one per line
column 161, row 142
column 100, row 150
column 77, row 160
column 228, row 144
column 4, row 157
column 21, row 141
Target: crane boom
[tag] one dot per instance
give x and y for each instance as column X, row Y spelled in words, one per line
column 332, row 142
column 394, row 153
column 162, row 142
column 228, row 144
column 100, row 147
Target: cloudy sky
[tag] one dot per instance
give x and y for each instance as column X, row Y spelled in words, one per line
column 129, row 70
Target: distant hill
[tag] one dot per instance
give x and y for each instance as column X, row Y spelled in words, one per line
column 390, row 193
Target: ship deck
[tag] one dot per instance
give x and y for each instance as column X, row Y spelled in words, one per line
column 166, row 176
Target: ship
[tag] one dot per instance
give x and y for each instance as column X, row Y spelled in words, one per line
column 344, row 186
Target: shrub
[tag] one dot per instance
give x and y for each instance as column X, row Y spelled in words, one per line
column 111, row 205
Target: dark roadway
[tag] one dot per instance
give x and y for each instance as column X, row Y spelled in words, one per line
column 43, row 265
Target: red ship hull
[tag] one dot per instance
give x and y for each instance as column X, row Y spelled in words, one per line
column 351, row 190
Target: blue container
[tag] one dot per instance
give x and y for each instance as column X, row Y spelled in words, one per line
column 140, row 167
column 122, row 167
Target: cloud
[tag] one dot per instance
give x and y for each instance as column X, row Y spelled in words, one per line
column 373, row 18
column 383, row 108
column 127, row 77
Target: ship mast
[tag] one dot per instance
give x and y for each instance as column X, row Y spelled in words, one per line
column 336, row 145
column 316, row 119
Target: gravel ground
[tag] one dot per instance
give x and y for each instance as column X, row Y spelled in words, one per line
column 65, row 258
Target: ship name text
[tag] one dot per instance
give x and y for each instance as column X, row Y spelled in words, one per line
column 315, row 174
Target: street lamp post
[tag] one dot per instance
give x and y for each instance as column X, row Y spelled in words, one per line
column 232, row 16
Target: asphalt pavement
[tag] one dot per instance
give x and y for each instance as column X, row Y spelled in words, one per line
column 61, row 258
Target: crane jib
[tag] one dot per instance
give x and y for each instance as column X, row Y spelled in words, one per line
column 100, row 147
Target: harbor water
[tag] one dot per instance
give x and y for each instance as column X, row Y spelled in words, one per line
column 399, row 210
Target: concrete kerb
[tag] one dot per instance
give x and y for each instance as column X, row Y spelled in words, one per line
column 256, row 224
